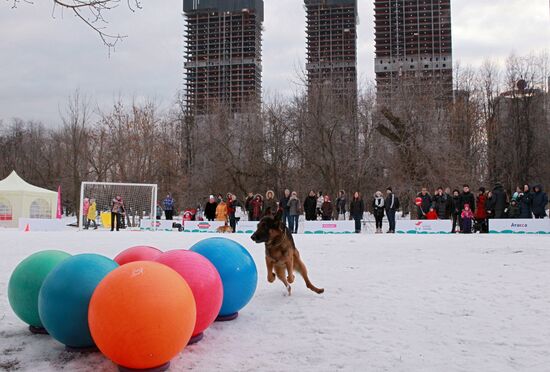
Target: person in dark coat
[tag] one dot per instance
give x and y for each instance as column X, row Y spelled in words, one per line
column 467, row 198
column 310, row 206
column 341, row 205
column 540, row 201
column 248, row 205
column 525, row 201
column 283, row 204
column 210, row 209
column 513, row 210
column 232, row 204
column 327, row 209
column 378, row 208
column 481, row 212
column 440, row 204
column 455, row 210
column 499, row 196
column 392, row 206
column 490, row 205
column 257, row 207
column 423, row 203
column 356, row 210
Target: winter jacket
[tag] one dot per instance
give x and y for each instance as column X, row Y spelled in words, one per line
column 440, row 204
column 270, row 203
column 425, row 204
column 231, row 207
column 310, row 207
column 432, row 215
column 327, row 209
column 283, row 204
column 467, row 198
column 392, row 202
column 294, row 206
column 221, row 212
column 467, row 214
column 481, row 211
column 341, row 204
column 378, row 207
column 320, row 201
column 248, row 203
column 525, row 201
column 356, row 209
column 168, row 204
column 92, row 211
column 540, row 201
column 455, row 205
column 257, row 207
column 85, row 207
column 513, row 211
column 210, row 210
column 499, row 196
column 490, row 207
column 117, row 206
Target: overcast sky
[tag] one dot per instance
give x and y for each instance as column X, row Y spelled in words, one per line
column 44, row 58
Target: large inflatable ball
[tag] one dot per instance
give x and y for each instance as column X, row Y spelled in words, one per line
column 65, row 295
column 25, row 283
column 142, row 315
column 237, row 271
column 137, row 253
column 205, row 282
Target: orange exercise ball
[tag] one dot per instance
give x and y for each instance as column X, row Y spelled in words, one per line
column 141, row 315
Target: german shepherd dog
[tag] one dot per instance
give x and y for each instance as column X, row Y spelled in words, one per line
column 281, row 254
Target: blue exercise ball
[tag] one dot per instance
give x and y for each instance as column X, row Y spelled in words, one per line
column 237, row 271
column 65, row 295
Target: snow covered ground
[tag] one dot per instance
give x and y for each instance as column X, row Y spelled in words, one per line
column 392, row 303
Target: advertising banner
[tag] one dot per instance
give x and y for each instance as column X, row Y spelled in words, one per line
column 246, row 227
column 202, row 226
column 329, row 227
column 423, row 226
column 519, row 226
column 152, row 225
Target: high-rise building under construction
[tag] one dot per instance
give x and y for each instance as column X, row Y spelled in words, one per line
column 332, row 47
column 223, row 55
column 413, row 46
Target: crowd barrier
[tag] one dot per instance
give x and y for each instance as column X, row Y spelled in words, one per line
column 423, row 226
column 40, row 224
column 329, row 227
column 202, row 226
column 519, row 226
column 163, row 225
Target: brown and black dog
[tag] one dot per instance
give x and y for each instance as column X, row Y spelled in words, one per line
column 281, row 254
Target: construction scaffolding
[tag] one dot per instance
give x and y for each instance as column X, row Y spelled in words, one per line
column 223, row 60
column 413, row 43
column 332, row 47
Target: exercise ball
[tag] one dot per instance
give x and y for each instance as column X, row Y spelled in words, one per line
column 65, row 295
column 142, row 315
column 204, row 281
column 25, row 283
column 237, row 271
column 138, row 253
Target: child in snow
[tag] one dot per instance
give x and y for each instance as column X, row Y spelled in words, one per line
column 467, row 218
column 91, row 215
column 431, row 215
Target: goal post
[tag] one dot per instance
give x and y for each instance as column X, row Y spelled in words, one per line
column 140, row 201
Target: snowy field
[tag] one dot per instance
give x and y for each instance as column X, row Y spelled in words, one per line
column 392, row 303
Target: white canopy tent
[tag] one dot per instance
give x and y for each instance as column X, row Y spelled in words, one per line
column 19, row 199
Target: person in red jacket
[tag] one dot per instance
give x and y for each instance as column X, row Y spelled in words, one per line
column 431, row 215
column 481, row 212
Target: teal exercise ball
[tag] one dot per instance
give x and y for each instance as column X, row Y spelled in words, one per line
column 237, row 271
column 26, row 281
column 65, row 296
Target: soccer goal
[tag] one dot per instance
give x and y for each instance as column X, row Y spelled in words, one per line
column 139, row 200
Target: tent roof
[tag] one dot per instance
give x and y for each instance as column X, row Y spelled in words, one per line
column 15, row 183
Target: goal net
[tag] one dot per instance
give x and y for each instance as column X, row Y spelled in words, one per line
column 139, row 201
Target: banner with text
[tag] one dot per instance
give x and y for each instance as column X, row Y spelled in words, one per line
column 519, row 226
column 152, row 225
column 423, row 226
column 202, row 226
column 329, row 227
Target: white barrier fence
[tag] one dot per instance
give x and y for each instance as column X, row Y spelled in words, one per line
column 329, row 227
column 202, row 226
column 246, row 227
column 519, row 226
column 39, row 224
column 156, row 225
column 423, row 226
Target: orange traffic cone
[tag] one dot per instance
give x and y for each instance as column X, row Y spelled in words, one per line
column 27, row 228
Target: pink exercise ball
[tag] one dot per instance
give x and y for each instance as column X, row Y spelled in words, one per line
column 137, row 253
column 205, row 283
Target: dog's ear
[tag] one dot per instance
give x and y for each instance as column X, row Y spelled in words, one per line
column 279, row 215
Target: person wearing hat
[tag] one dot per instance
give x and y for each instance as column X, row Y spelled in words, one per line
column 210, row 208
